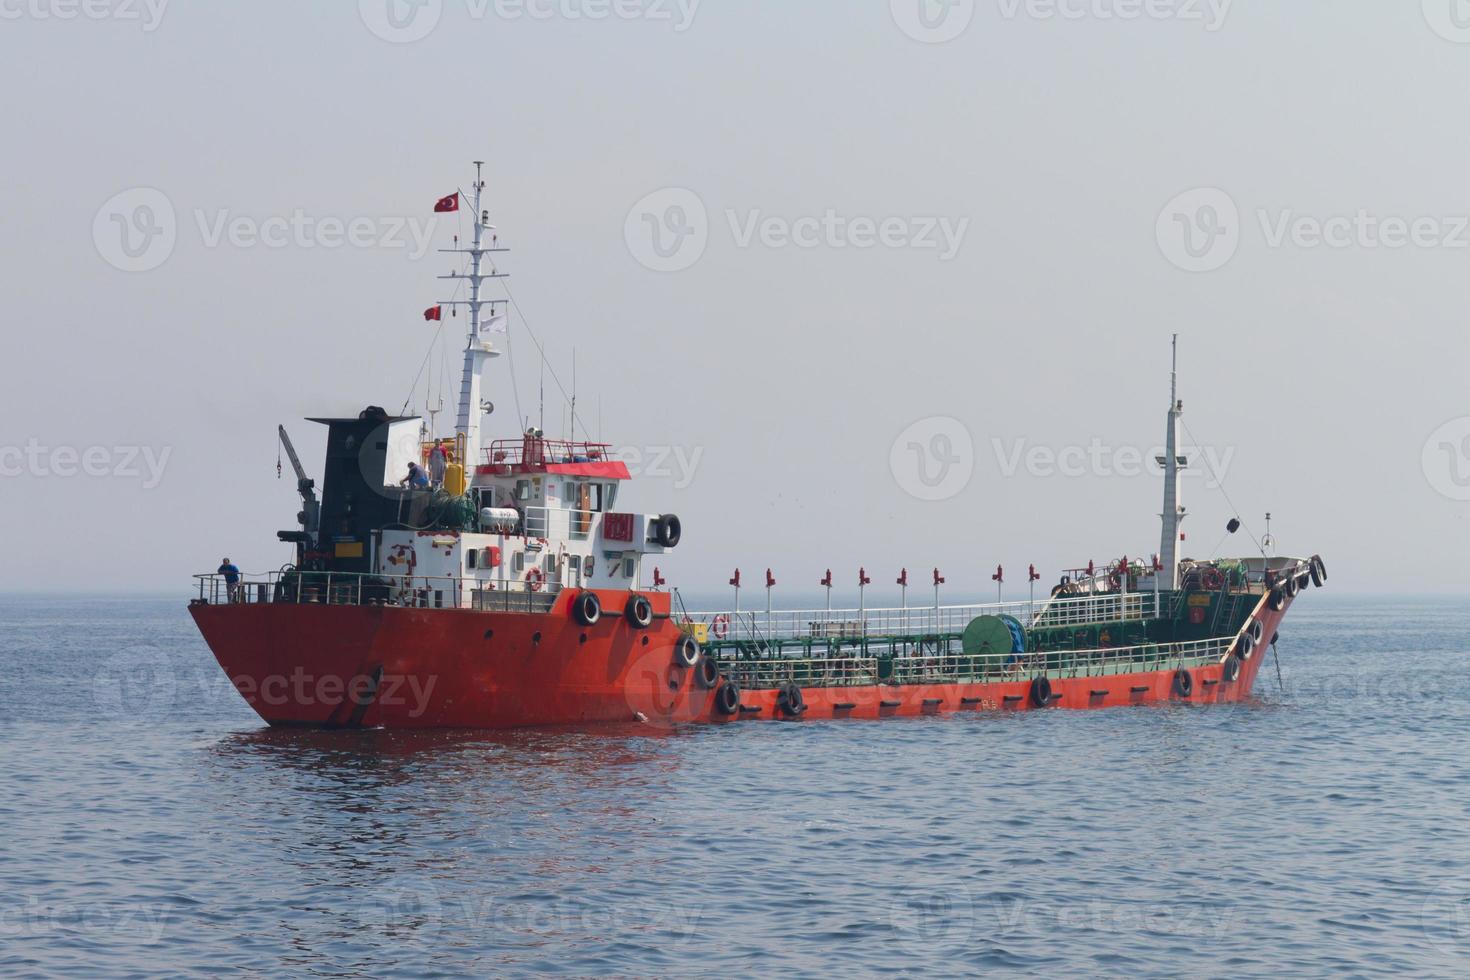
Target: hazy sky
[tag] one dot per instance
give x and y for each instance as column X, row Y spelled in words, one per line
column 818, row 264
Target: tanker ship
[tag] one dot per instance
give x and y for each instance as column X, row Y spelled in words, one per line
column 443, row 583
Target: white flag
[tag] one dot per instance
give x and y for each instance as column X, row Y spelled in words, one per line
column 493, row 324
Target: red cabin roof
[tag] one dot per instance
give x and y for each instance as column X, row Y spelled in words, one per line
column 532, row 454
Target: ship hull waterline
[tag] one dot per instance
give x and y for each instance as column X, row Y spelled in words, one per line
column 350, row 666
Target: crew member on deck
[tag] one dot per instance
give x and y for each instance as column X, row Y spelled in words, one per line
column 232, row 579
column 417, row 479
column 438, row 462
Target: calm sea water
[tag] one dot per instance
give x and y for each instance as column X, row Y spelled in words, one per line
column 149, row 824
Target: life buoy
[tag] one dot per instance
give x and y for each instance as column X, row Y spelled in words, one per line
column 686, row 651
column 719, row 627
column 638, row 612
column 1183, row 683
column 1230, row 672
column 1212, row 579
column 1040, row 692
column 727, row 698
column 587, row 608
column 709, row 673
column 790, row 700
column 535, row 578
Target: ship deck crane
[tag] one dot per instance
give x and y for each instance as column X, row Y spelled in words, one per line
column 311, row 512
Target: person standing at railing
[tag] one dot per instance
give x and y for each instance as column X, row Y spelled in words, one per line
column 232, row 579
column 438, row 463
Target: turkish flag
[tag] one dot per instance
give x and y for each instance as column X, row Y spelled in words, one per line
column 434, row 313
column 450, row 203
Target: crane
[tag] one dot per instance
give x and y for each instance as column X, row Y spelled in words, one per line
column 311, row 513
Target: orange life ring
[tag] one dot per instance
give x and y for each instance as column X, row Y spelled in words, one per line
column 720, row 626
column 534, row 579
column 1212, row 578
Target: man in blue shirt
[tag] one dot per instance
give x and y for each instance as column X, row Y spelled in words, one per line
column 417, row 479
column 232, row 579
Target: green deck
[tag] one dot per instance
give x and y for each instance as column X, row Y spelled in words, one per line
column 1075, row 649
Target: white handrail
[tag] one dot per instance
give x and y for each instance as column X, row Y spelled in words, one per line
column 746, row 625
column 355, row 588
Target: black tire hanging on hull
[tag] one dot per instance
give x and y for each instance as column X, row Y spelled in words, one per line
column 1183, row 683
column 727, row 698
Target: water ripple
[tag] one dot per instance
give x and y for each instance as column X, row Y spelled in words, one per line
column 150, row 825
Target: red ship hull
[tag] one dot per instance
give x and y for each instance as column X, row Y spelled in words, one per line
column 394, row 667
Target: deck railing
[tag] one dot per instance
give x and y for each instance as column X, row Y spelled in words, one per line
column 937, row 667
column 532, row 452
column 357, row 589
column 759, row 626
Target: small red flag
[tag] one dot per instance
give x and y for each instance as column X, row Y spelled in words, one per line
column 434, row 313
column 450, row 203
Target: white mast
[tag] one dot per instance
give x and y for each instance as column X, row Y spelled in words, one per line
column 1173, row 462
column 478, row 348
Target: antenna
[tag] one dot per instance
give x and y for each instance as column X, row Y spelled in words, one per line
column 1174, row 374
column 477, row 348
column 1172, row 462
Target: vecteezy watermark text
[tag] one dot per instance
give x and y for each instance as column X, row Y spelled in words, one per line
column 143, row 683
column 148, row 13
column 137, row 230
column 40, row 461
column 833, row 230
column 1210, row 13
column 938, row 21
column 947, row 917
column 676, row 463
column 669, row 230
column 140, row 924
column 1101, row 460
column 406, row 21
column 1202, row 229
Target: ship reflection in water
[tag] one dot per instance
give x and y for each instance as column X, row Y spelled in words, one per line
column 489, row 848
